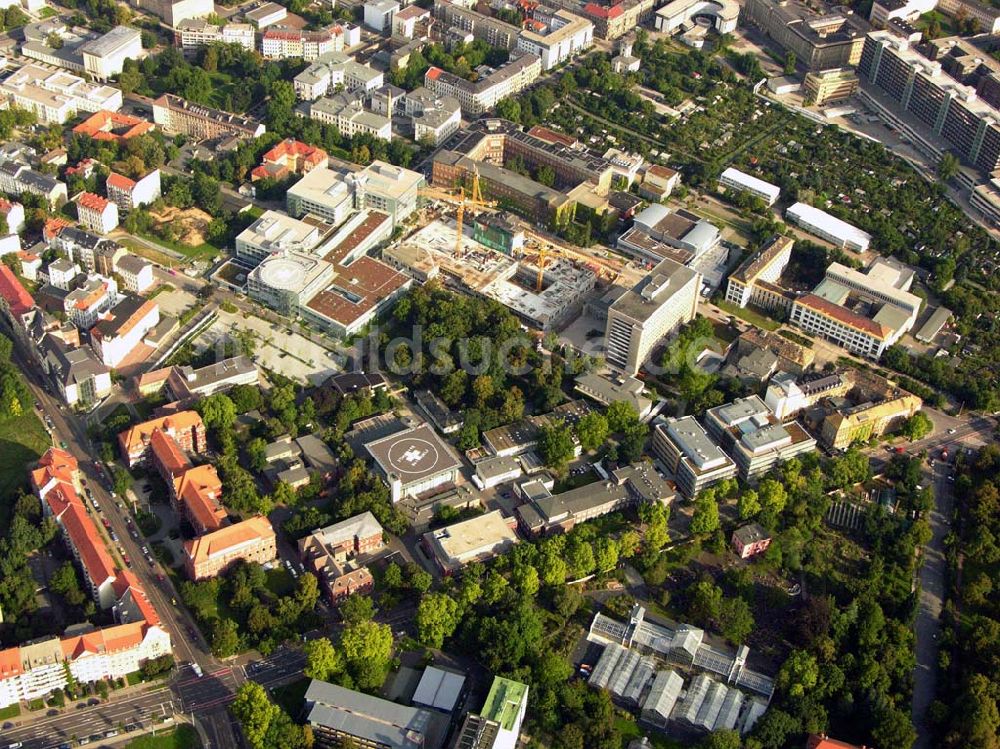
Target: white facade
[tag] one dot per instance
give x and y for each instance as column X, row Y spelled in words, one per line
column 323, row 192
column 105, row 57
column 333, row 71
column 14, row 214
column 567, row 35
column 114, row 349
column 350, row 117
column 272, row 233
column 96, row 213
column 9, row 243
column 84, row 305
column 136, row 273
column 379, row 13
column 734, row 179
column 828, row 227
column 55, row 95
column 674, row 15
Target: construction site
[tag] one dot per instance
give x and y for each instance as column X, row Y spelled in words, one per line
column 496, row 256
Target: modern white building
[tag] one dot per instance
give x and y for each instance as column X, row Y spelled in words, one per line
column 734, row 179
column 324, row 193
column 195, row 33
column 13, row 214
column 104, row 58
column 687, row 451
column 55, row 96
column 477, row 539
column 679, row 13
column 483, row 94
column 287, row 280
column 828, row 227
column 379, row 14
column 266, row 14
column 414, row 461
column 85, row 304
column 97, row 214
column 175, row 11
column 273, row 233
column 393, row 190
column 563, row 37
column 434, row 117
column 755, row 279
column 653, row 309
column 122, row 329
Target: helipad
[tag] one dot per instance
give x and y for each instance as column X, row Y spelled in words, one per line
column 413, row 454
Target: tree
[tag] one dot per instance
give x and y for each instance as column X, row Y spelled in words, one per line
column 217, row 411
column 555, row 445
column 948, row 166
column 525, row 579
column 773, row 496
column 748, row 504
column 64, row 582
column 706, row 602
column 621, row 415
column 357, row 608
column 255, row 712
column 735, row 620
column 323, row 661
column 722, row 739
column 225, row 638
column 592, row 430
column 437, row 618
column 706, row 516
column 798, row 674
column 606, row 554
column 917, row 426
column 367, row 648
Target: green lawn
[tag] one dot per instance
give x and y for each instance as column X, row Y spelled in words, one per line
column 629, row 731
column 11, row 711
column 181, row 737
column 22, row 440
column 47, row 12
column 745, row 313
column 290, row 696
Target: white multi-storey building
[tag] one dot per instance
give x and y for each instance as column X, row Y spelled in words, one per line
column 55, row 96
column 734, row 179
column 565, row 36
column 104, row 57
column 350, row 117
column 334, row 71
column 97, row 214
column 653, row 309
column 755, row 278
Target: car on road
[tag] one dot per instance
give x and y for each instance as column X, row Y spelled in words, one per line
column 951, row 431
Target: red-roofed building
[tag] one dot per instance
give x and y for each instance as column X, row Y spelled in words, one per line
column 252, row 540
column 129, row 193
column 289, row 157
column 113, row 126
column 618, row 18
column 822, row 742
column 54, row 466
column 197, row 493
column 132, row 603
column 53, row 227
column 168, row 458
column 82, row 169
column 97, row 214
column 15, row 301
column 184, row 427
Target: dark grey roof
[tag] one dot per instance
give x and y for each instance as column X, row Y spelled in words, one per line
column 133, row 264
column 121, row 314
column 70, row 365
column 79, row 237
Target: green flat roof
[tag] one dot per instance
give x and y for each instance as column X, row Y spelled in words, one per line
column 503, row 703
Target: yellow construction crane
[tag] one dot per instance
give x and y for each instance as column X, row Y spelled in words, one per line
column 610, row 269
column 475, row 200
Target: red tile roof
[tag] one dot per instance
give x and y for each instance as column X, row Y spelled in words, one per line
column 126, row 583
column 92, row 202
column 168, row 453
column 843, row 315
column 138, row 434
column 11, row 290
column 199, row 490
column 53, row 226
column 219, row 542
column 10, row 663
column 120, row 181
column 551, row 136
column 601, row 11
column 433, row 73
column 822, row 742
column 94, row 558
column 101, row 126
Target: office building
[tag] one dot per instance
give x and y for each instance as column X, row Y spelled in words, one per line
column 388, row 189
column 830, row 37
column 483, row 94
column 789, row 394
column 349, row 115
column 522, row 436
column 653, row 309
column 477, row 539
column 686, row 236
column 275, row 233
column 322, row 192
column 545, row 513
column 406, row 22
column 55, row 96
column 912, row 92
column 177, row 115
column 174, row 11
column 755, row 438
column 828, row 227
column 558, row 39
column 434, row 117
column 280, row 42
column 493, row 31
column 832, row 85
column 193, row 34
column 737, row 181
column 695, row 460
column 286, row 281
column 265, row 14
column 104, row 57
column 755, row 280
column 415, row 461
column 250, row 540
column 984, row 14
column 680, row 14
column 612, row 389
column 618, row 19
column 505, row 706
column 117, row 334
column 334, row 72
column 378, row 14
column 338, row 716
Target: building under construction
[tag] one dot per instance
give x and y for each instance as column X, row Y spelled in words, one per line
column 540, row 299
